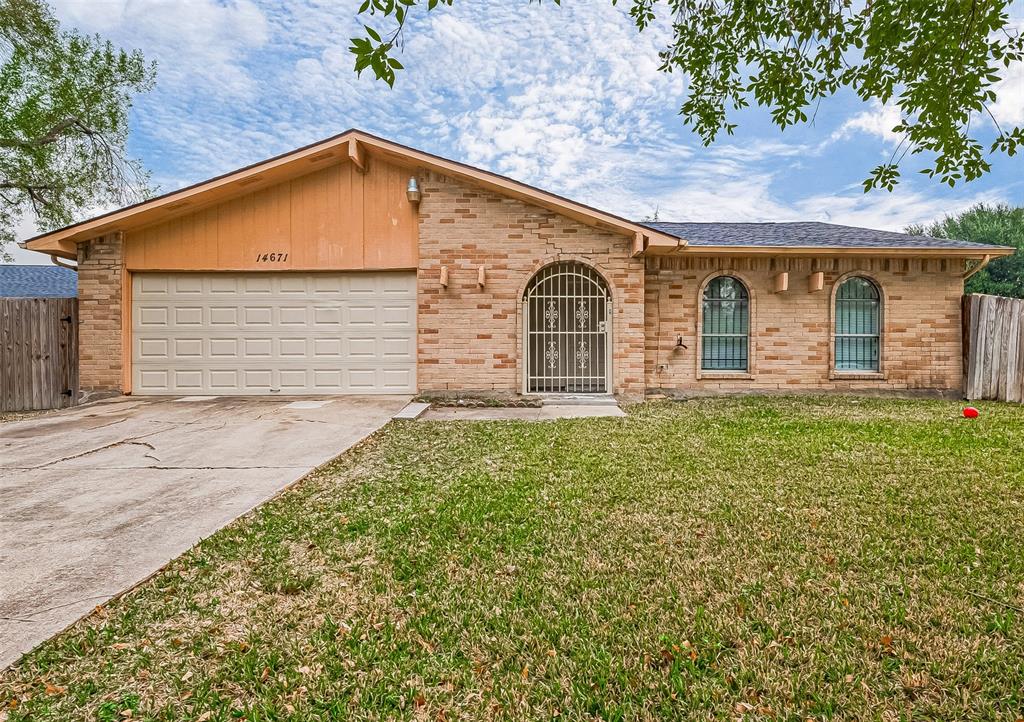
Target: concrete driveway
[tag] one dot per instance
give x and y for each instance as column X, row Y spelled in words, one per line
column 95, row 499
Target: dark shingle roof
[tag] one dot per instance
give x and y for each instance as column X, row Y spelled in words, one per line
column 38, row 281
column 803, row 235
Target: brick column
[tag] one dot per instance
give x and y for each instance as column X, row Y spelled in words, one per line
column 100, row 274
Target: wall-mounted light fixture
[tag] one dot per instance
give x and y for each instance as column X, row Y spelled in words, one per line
column 680, row 346
column 481, row 277
column 412, row 191
column 815, row 282
column 780, row 283
column 444, row 276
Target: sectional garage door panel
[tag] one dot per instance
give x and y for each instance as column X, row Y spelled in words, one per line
column 280, row 333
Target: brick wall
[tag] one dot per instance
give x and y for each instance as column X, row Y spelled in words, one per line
column 100, row 272
column 791, row 332
column 470, row 338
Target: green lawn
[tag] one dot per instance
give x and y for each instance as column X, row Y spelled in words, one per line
column 757, row 558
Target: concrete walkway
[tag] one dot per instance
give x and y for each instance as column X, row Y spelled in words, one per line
column 543, row 413
column 95, row 499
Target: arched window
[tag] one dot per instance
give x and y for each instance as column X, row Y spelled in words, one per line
column 858, row 325
column 725, row 325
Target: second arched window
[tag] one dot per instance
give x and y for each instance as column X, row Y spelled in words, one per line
column 858, row 323
column 725, row 326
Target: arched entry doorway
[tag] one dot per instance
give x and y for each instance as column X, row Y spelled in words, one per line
column 567, row 330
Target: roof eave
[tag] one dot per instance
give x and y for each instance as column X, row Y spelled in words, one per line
column 340, row 147
column 62, row 249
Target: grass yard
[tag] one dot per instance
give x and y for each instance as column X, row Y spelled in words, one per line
column 768, row 558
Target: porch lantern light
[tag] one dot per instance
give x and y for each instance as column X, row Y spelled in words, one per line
column 412, row 191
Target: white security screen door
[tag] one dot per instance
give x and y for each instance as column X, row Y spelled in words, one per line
column 274, row 333
column 567, row 318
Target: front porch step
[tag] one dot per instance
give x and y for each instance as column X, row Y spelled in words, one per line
column 577, row 400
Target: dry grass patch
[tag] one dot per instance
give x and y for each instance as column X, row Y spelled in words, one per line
column 769, row 558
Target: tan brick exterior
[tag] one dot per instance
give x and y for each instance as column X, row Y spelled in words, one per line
column 470, row 338
column 100, row 273
column 791, row 332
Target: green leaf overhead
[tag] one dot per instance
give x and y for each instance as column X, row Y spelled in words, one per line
column 936, row 61
column 64, row 103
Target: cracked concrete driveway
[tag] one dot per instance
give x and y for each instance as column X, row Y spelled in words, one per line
column 95, row 499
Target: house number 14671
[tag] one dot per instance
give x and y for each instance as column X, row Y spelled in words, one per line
column 271, row 257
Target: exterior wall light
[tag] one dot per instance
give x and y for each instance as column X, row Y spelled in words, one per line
column 412, row 191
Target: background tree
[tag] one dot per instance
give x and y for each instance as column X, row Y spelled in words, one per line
column 937, row 61
column 64, row 102
column 999, row 225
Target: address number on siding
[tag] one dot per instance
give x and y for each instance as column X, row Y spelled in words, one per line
column 271, row 257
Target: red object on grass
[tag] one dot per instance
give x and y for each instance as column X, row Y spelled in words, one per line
column 970, row 412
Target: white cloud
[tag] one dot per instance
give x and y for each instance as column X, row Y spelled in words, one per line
column 568, row 98
column 878, row 121
column 1008, row 109
column 199, row 45
column 887, row 211
column 723, row 189
column 536, row 91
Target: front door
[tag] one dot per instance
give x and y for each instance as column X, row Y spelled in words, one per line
column 567, row 313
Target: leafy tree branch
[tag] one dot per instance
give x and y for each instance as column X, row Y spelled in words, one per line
column 937, row 61
column 64, row 104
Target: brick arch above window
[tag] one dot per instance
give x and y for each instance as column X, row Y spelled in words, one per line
column 725, row 326
column 857, row 311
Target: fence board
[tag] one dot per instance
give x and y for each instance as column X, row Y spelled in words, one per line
column 1012, row 377
column 38, row 353
column 993, row 348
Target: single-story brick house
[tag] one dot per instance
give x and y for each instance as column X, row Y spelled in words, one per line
column 358, row 265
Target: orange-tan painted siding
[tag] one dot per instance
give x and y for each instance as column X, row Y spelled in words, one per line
column 331, row 219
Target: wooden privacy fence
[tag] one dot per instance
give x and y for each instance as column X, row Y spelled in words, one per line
column 38, row 353
column 993, row 347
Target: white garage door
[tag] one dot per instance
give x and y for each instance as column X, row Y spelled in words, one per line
column 274, row 333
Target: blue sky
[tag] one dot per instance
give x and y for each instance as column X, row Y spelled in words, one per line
column 567, row 98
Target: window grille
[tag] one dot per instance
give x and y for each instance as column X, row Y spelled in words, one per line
column 858, row 322
column 725, row 326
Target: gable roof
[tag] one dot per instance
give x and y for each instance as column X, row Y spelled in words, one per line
column 38, row 282
column 815, row 236
column 348, row 146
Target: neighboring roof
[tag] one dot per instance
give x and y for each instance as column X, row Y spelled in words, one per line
column 348, row 146
column 38, row 282
column 812, row 235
